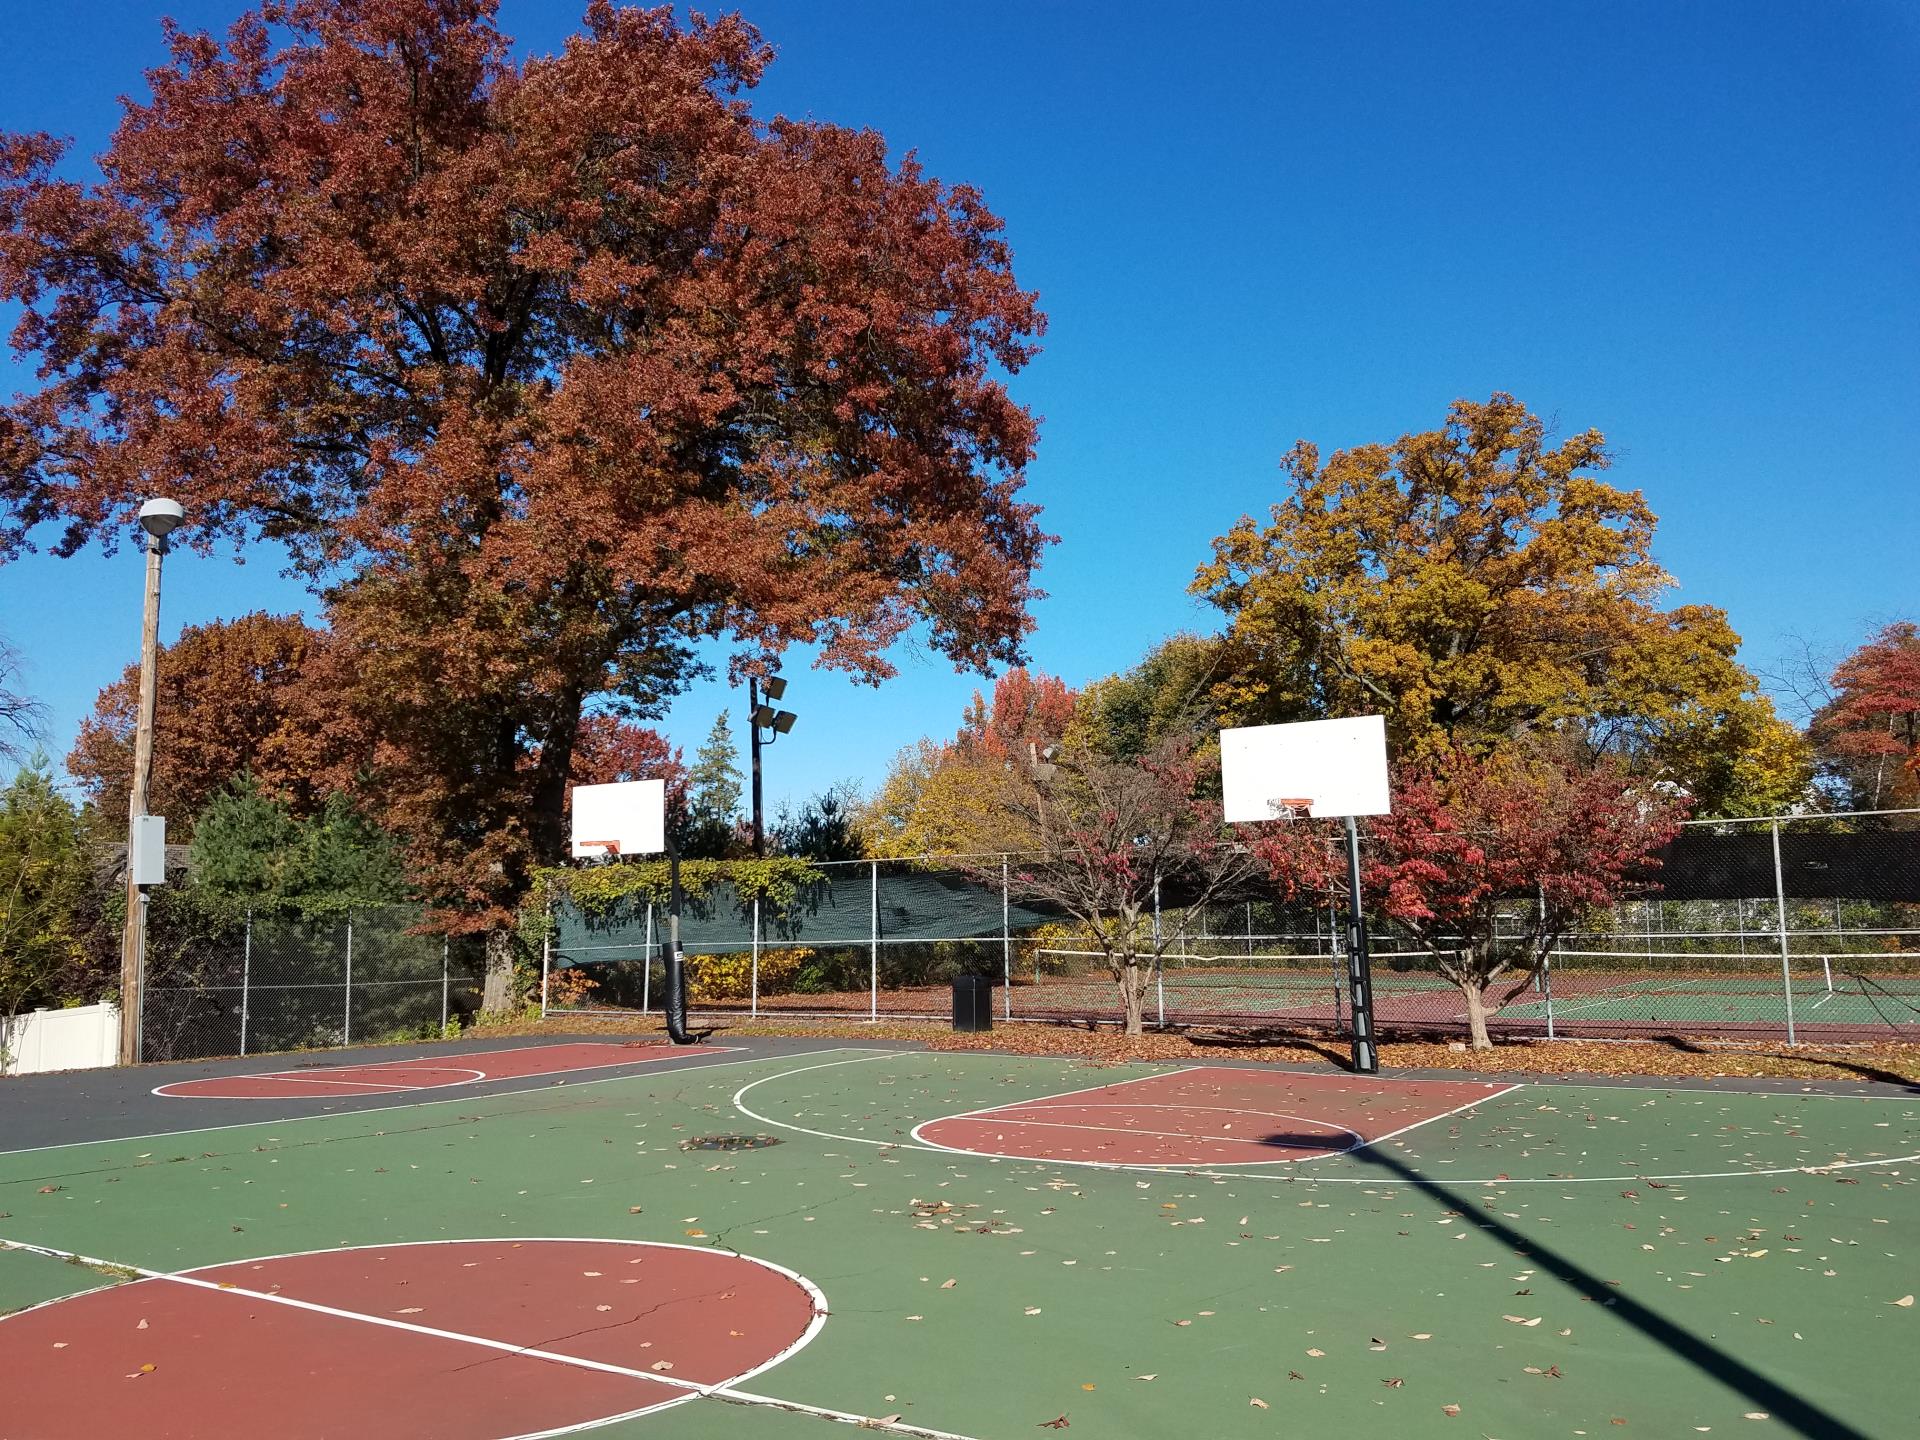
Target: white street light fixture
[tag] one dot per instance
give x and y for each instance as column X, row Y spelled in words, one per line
column 160, row 518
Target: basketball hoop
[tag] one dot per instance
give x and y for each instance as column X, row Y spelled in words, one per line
column 1293, row 809
column 612, row 847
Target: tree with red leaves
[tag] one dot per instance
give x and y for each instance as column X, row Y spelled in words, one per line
column 1471, row 833
column 939, row 797
column 227, row 705
column 1867, row 735
column 1100, row 836
column 610, row 750
column 1028, row 707
column 546, row 369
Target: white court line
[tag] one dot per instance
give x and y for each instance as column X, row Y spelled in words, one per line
column 307, row 1080
column 343, row 1074
column 1067, row 1094
column 1418, row 1181
column 693, row 1388
column 1444, row 1114
column 489, row 1095
column 1166, row 1134
column 1151, row 1105
column 990, row 1112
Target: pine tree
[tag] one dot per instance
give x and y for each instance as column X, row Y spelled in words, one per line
column 713, row 796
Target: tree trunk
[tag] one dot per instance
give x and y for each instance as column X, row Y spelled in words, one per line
column 1476, row 1014
column 547, row 825
column 497, row 996
column 1131, row 993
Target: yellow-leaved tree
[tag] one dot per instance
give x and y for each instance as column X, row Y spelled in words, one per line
column 1478, row 583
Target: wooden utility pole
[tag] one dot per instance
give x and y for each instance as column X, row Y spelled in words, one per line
column 133, row 940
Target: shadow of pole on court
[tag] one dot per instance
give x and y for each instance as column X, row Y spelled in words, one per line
column 1783, row 1404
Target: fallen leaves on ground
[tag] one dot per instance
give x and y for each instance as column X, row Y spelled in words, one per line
column 1705, row 1057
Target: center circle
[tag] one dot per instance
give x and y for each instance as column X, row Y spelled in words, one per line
column 464, row 1339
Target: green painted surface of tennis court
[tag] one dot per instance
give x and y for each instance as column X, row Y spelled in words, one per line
column 1549, row 1259
column 1742, row 1002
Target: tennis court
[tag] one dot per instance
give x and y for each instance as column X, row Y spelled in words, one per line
column 798, row 1235
column 1837, row 997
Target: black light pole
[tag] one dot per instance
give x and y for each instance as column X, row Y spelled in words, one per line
column 776, row 723
column 1366, row 1056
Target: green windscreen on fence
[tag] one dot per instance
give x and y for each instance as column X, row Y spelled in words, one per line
column 911, row 904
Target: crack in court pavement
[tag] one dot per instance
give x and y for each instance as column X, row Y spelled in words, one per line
column 719, row 1236
column 596, row 1329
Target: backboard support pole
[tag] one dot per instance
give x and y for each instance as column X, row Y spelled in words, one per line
column 676, row 997
column 1366, row 1054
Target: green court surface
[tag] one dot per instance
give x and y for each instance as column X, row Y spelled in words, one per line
column 1552, row 1260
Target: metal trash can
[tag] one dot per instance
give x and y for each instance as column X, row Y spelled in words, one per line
column 972, row 1002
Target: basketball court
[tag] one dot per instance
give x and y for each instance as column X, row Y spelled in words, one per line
column 784, row 1240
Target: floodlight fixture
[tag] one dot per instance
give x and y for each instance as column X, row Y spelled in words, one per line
column 764, row 726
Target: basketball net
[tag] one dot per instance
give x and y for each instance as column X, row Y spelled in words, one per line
column 1293, row 809
column 612, row 847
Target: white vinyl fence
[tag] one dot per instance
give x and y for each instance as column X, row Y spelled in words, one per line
column 85, row 1037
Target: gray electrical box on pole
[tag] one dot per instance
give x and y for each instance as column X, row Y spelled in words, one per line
column 147, row 856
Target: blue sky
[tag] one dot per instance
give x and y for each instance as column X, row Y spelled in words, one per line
column 1692, row 227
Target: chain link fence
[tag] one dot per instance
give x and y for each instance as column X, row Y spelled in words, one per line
column 1793, row 928
column 272, row 982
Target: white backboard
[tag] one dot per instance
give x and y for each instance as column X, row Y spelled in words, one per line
column 1339, row 767
column 630, row 813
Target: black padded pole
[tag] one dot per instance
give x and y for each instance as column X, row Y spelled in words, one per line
column 676, row 1003
column 1366, row 1056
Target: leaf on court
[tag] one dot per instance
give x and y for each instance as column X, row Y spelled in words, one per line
column 661, row 1365
column 410, row 1310
column 51, row 1189
column 948, row 1283
column 697, row 1234
column 148, row 1368
column 1183, row 1322
column 1154, row 1376
column 1449, row 1410
column 1315, row 1351
column 1905, row 1302
column 1423, row 1335
column 1088, row 1385
column 1057, row 1423
column 1394, row 1384
column 1257, row 1403
column 603, row 1308
column 1033, row 1309
column 1756, row 1415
